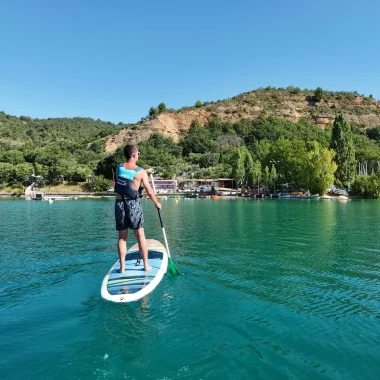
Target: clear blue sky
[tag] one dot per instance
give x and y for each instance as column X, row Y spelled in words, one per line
column 114, row 59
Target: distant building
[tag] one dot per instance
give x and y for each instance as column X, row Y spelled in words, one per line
column 166, row 184
column 195, row 183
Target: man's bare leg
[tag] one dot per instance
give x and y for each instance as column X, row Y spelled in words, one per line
column 140, row 236
column 122, row 248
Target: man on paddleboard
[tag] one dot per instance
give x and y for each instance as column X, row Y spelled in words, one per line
column 128, row 210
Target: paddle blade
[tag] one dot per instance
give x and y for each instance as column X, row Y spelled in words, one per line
column 172, row 269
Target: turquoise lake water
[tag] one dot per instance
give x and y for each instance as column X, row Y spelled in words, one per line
column 271, row 289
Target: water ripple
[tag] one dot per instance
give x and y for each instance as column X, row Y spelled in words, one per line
column 271, row 289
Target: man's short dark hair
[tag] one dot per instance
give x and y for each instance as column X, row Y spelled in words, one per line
column 129, row 150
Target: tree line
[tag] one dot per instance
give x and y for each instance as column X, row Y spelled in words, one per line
column 265, row 151
column 257, row 152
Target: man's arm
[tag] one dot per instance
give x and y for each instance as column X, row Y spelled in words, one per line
column 149, row 189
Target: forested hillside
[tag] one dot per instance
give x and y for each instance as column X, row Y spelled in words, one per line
column 245, row 138
column 52, row 148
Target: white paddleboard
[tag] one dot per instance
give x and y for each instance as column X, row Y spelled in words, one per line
column 135, row 282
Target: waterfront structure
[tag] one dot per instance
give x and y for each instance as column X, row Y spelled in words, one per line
column 195, row 183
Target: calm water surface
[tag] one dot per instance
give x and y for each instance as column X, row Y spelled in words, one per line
column 272, row 289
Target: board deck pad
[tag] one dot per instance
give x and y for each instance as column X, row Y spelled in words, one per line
column 135, row 282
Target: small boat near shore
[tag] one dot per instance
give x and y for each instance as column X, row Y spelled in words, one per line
column 38, row 196
column 191, row 196
column 57, row 198
column 313, row 196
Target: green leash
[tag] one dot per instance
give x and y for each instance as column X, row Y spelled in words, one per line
column 172, row 269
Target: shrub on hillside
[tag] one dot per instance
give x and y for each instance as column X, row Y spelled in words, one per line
column 318, row 93
column 97, row 184
column 367, row 185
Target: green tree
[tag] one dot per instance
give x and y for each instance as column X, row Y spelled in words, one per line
column 374, row 185
column 209, row 159
column 318, row 94
column 13, row 157
column 197, row 140
column 366, row 151
column 66, row 167
column 97, row 146
column 22, row 171
column 290, row 158
column 228, row 140
column 204, row 160
column 342, row 143
column 257, row 173
column 238, row 171
column 222, row 171
column 273, row 177
column 198, row 104
column 168, row 173
column 6, row 172
column 320, row 169
column 249, row 167
column 153, row 112
column 374, row 133
column 107, row 166
column 161, row 107
column 98, row 183
column 81, row 173
column 260, row 149
column 158, row 151
column 266, row 175
column 41, row 170
column 242, row 166
column 367, row 185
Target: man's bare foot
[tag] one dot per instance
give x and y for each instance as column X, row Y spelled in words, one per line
column 147, row 268
column 121, row 270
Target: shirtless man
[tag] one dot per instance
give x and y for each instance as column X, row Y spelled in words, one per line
column 128, row 211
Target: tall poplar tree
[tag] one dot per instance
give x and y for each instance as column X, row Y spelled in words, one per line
column 249, row 169
column 342, row 143
column 238, row 171
column 257, row 172
column 242, row 166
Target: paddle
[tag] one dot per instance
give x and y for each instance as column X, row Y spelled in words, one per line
column 172, row 269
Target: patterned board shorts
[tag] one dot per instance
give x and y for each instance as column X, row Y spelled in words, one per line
column 128, row 214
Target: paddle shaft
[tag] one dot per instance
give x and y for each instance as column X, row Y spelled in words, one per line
column 161, row 221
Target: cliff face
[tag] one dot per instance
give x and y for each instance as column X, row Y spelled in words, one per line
column 168, row 124
column 290, row 106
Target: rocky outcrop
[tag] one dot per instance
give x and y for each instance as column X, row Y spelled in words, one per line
column 125, row 136
column 292, row 107
column 171, row 124
column 323, row 121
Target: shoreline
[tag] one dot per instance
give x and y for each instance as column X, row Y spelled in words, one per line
column 181, row 195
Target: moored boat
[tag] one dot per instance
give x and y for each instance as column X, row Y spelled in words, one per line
column 57, row 198
column 191, row 195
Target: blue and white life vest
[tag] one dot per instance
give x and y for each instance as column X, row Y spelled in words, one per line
column 124, row 179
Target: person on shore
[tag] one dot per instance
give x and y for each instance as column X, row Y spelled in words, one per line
column 128, row 210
